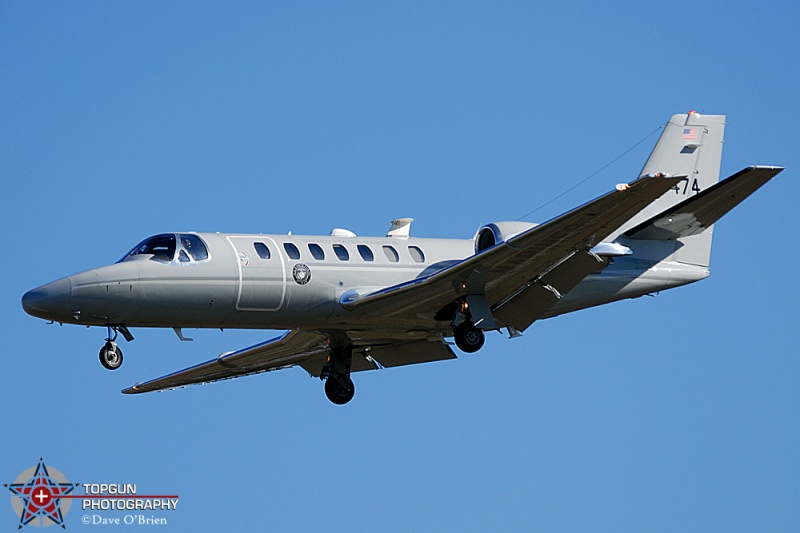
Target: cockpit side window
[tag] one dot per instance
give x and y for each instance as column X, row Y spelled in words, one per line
column 161, row 247
column 194, row 246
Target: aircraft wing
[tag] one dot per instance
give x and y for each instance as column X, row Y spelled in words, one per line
column 307, row 349
column 696, row 214
column 558, row 249
column 281, row 352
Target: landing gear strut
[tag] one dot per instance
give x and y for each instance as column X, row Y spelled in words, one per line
column 339, row 387
column 468, row 338
column 110, row 353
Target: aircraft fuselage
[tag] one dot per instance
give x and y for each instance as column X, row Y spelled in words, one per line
column 251, row 281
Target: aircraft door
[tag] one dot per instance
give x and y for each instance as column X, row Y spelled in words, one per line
column 262, row 276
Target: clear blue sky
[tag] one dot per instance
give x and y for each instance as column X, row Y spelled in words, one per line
column 124, row 119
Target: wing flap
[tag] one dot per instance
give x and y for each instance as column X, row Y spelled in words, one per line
column 529, row 304
column 699, row 212
column 377, row 356
column 409, row 353
column 281, row 352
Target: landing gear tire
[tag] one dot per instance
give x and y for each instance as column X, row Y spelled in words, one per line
column 111, row 356
column 468, row 338
column 339, row 389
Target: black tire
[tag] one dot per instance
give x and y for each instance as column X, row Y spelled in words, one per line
column 337, row 393
column 110, row 356
column 469, row 339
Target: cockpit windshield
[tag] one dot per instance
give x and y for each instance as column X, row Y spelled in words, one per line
column 169, row 247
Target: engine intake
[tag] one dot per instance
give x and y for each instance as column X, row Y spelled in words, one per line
column 497, row 232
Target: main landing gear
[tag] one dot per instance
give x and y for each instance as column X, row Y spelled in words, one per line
column 110, row 353
column 339, row 387
column 468, row 338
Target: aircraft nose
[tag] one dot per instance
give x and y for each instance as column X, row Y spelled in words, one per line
column 52, row 301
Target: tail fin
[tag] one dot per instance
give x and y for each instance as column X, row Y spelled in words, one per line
column 691, row 146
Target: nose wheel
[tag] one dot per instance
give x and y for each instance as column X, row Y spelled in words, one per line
column 111, row 355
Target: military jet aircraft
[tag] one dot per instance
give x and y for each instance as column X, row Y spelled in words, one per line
column 355, row 303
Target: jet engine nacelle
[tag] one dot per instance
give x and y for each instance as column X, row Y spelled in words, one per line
column 497, row 232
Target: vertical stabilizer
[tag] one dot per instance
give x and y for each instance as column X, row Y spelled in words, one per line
column 691, row 146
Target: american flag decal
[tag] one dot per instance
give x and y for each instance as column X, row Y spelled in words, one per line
column 689, row 134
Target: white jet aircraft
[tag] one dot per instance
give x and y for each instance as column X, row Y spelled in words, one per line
column 358, row 303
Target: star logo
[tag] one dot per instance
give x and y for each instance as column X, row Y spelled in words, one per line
column 37, row 493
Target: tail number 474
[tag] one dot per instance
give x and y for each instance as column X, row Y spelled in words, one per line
column 683, row 187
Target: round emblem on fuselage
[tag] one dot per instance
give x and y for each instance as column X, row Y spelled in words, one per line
column 301, row 273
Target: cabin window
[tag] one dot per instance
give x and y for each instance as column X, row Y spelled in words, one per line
column 341, row 252
column 262, row 250
column 291, row 250
column 316, row 251
column 366, row 253
column 391, row 254
column 194, row 247
column 416, row 254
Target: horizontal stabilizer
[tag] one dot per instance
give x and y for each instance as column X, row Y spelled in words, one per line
column 698, row 213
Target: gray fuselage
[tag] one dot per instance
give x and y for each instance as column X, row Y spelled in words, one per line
column 287, row 281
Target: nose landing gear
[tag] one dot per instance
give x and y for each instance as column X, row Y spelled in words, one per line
column 110, row 353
